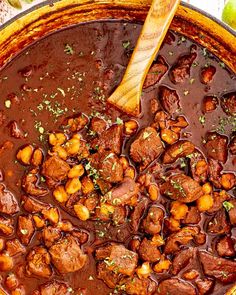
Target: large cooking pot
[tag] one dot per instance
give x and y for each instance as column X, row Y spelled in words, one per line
column 47, row 18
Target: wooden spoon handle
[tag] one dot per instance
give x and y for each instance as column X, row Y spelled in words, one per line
column 128, row 93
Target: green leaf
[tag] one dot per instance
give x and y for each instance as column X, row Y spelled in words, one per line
column 228, row 206
column 15, row 3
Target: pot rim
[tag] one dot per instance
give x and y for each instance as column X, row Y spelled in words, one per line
column 184, row 4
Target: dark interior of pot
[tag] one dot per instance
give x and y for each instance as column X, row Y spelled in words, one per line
column 93, row 200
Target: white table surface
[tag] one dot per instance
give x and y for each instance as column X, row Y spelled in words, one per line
column 213, row 7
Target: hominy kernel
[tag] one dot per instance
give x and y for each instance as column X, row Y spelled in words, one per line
column 82, row 212
column 73, row 185
column 205, row 203
column 60, row 194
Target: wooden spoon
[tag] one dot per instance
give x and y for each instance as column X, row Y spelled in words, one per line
column 127, row 95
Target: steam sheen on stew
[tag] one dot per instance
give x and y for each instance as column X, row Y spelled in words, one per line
column 93, row 201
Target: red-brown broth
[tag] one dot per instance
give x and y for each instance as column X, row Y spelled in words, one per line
column 70, row 82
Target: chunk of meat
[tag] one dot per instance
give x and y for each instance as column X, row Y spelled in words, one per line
column 6, row 225
column 169, row 99
column 175, row 287
column 156, row 72
column 54, row 288
column 204, row 286
column 148, row 251
column 207, row 74
column 232, row 212
column 180, row 71
column 216, row 146
column 215, row 169
column 225, row 247
column 232, row 145
column 8, row 203
column 123, row 193
column 14, row 247
column 109, row 277
column 15, row 130
column 98, row 125
column 55, row 168
column 209, row 103
column 193, row 216
column 181, row 237
column 103, row 252
column 228, row 103
column 198, row 167
column 110, row 168
column 67, row 256
column 122, row 260
column 25, row 228
column 110, row 139
column 50, row 235
column 181, row 148
column 146, row 147
column 136, row 286
column 219, row 223
column 38, row 262
column 218, row 198
column 182, row 188
column 29, row 185
column 182, row 259
column 138, row 212
column 32, row 205
column 152, row 223
column 222, row 269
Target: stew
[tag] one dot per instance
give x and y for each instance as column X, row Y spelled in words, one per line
column 93, row 201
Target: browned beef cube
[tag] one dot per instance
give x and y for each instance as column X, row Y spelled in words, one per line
column 156, row 72
column 228, row 103
column 204, row 286
column 109, row 277
column 232, row 145
column 222, row 269
column 181, row 237
column 146, row 147
column 54, row 288
column 182, row 188
column 216, row 146
column 8, row 203
column 232, row 212
column 181, row 148
column 182, row 259
column 67, row 255
column 122, row 194
column 209, row 103
column 32, row 205
column 55, row 168
column 38, row 262
column 25, row 228
column 6, row 225
column 138, row 213
column 175, row 287
column 169, row 99
column 29, row 185
column 180, row 71
column 152, row 223
column 110, row 168
column 207, row 74
column 98, row 125
column 193, row 216
column 148, row 251
column 110, row 139
column 219, row 223
column 137, row 286
column 215, row 169
column 50, row 235
column 225, row 247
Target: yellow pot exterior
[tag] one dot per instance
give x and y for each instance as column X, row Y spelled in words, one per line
column 46, row 19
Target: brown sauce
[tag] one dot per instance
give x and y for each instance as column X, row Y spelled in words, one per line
column 74, row 71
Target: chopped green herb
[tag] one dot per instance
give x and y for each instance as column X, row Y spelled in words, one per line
column 186, row 92
column 126, row 44
column 181, row 40
column 191, row 80
column 68, row 49
column 119, row 121
column 202, row 120
column 228, row 206
column 222, row 65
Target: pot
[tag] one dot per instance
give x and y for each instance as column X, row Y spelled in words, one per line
column 44, row 19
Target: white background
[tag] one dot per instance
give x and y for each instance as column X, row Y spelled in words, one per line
column 213, row 7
